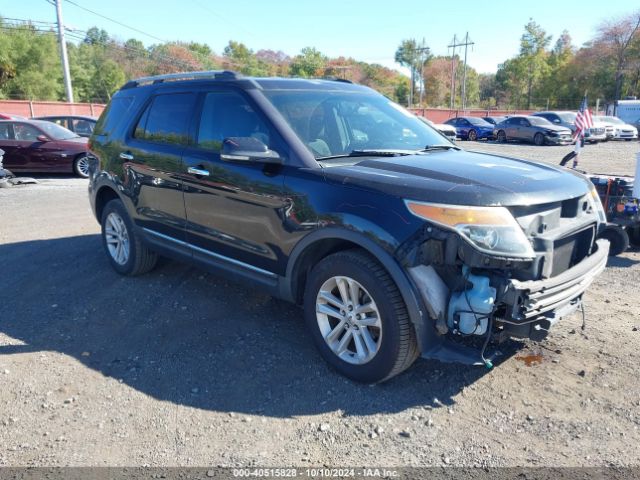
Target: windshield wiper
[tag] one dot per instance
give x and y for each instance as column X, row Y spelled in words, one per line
column 369, row 153
column 439, row 147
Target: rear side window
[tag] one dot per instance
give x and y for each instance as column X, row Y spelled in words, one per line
column 113, row 114
column 166, row 119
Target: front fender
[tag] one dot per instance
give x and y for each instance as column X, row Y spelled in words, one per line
column 424, row 325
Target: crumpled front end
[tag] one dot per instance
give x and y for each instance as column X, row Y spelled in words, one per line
column 472, row 294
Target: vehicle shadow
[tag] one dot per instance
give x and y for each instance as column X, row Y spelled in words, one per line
column 181, row 335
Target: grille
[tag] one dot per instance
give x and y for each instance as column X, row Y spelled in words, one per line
column 571, row 250
column 597, row 131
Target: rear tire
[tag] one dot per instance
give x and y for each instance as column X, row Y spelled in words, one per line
column 472, row 135
column 125, row 251
column 338, row 288
column 502, row 136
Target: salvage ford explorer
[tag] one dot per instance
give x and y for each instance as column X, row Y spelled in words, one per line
column 396, row 242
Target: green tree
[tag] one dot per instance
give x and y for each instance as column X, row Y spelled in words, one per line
column 309, row 63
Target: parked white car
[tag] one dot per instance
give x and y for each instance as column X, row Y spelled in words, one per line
column 621, row 130
column 448, row 131
column 597, row 133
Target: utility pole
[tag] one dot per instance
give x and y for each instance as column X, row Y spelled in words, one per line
column 453, row 45
column 467, row 41
column 422, row 51
column 63, row 53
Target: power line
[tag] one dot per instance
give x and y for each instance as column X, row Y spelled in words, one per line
column 115, row 21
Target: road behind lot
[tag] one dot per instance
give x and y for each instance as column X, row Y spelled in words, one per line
column 180, row 367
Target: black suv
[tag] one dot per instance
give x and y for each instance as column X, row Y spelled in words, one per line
column 396, row 242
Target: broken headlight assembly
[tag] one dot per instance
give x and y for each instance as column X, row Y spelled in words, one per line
column 492, row 230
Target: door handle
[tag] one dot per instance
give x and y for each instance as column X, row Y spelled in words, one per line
column 198, row 171
column 126, row 156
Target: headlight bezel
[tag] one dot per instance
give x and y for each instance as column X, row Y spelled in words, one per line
column 495, row 219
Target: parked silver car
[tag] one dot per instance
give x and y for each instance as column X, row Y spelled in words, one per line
column 567, row 119
column 532, row 129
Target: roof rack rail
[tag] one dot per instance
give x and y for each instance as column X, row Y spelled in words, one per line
column 212, row 74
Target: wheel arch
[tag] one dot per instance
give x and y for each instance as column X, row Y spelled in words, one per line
column 318, row 245
column 103, row 196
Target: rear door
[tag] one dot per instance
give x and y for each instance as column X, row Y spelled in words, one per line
column 152, row 158
column 511, row 128
column 234, row 208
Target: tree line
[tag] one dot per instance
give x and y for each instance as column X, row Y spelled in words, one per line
column 100, row 64
column 544, row 74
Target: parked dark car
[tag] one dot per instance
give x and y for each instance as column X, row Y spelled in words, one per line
column 39, row 146
column 79, row 124
column 472, row 128
column 532, row 129
column 495, row 120
column 395, row 241
column 11, row 116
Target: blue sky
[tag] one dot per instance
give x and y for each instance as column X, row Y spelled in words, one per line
column 367, row 30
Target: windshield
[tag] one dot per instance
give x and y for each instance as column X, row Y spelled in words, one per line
column 55, row 131
column 568, row 117
column 337, row 123
column 479, row 122
column 539, row 121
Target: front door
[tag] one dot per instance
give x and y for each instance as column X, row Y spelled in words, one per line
column 152, row 157
column 234, row 209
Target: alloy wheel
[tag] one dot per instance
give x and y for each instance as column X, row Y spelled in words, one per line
column 117, row 238
column 349, row 320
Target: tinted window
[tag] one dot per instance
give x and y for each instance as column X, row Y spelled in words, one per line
column 540, row 121
column 82, row 126
column 25, row 132
column 166, row 119
column 112, row 115
column 227, row 114
column 5, row 134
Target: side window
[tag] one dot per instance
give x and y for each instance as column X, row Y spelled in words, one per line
column 112, row 115
column 5, row 133
column 228, row 114
column 60, row 121
column 166, row 119
column 82, row 127
column 25, row 132
column 463, row 123
column 524, row 122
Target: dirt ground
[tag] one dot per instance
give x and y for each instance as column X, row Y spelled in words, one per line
column 182, row 368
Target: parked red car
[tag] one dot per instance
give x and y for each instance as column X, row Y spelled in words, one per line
column 40, row 146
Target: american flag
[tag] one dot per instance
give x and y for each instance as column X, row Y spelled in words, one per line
column 583, row 119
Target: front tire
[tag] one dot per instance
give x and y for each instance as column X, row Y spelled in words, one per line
column 472, row 135
column 125, row 251
column 358, row 319
column 538, row 139
column 81, row 166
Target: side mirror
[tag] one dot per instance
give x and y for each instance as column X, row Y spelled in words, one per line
column 248, row 149
column 42, row 138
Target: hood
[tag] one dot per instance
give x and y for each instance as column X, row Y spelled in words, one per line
column 554, row 128
column 444, row 126
column 462, row 178
column 76, row 140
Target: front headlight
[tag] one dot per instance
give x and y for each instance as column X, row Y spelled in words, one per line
column 596, row 205
column 489, row 229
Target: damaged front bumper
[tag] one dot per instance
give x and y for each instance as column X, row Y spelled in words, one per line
column 535, row 305
column 516, row 309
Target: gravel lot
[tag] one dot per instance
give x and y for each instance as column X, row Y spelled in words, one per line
column 182, row 368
